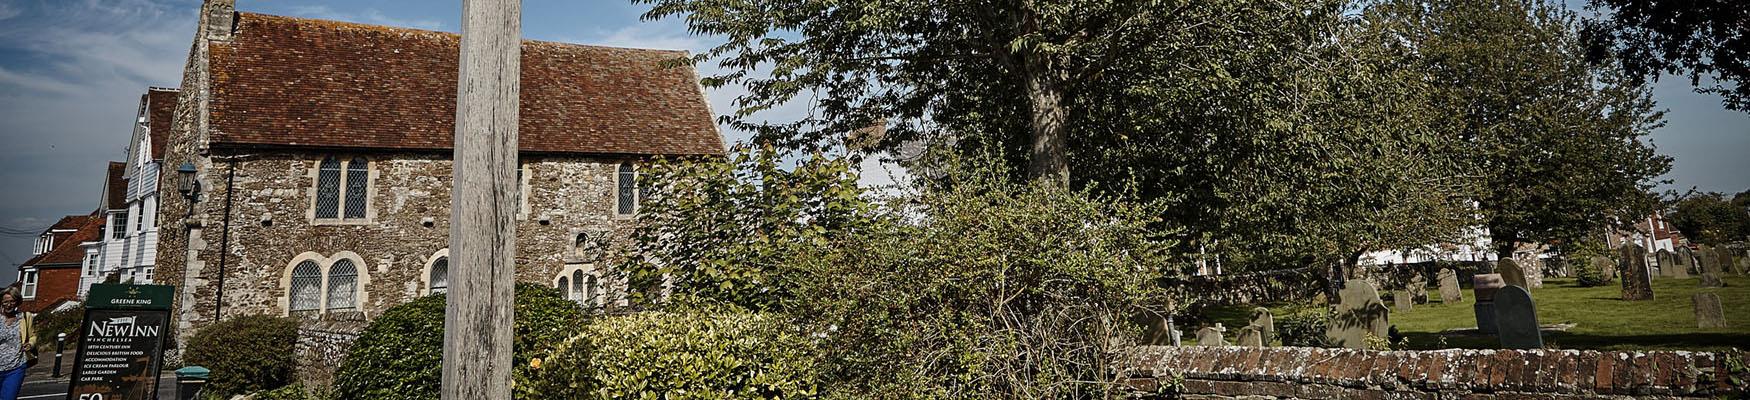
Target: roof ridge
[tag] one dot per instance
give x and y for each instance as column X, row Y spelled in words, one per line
column 391, row 28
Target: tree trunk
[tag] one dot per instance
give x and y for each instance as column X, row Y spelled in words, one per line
column 478, row 315
column 1048, row 161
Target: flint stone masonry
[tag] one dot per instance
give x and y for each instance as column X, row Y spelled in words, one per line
column 1316, row 373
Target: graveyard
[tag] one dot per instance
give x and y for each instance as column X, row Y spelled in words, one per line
column 1572, row 317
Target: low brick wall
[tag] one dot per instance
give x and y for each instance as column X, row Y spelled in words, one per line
column 1299, row 372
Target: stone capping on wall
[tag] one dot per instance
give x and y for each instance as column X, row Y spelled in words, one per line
column 1304, row 372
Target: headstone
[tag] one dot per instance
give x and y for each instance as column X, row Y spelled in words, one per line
column 1210, row 336
column 1707, row 261
column 1249, row 337
column 1744, row 266
column 1418, row 287
column 1484, row 287
column 1359, row 313
column 1667, row 263
column 1266, row 324
column 1516, row 316
column 1636, row 284
column 1728, row 262
column 1711, row 280
column 1450, row 293
column 1707, row 311
column 1401, row 299
column 1684, row 257
column 1175, row 335
column 1606, row 266
column 1511, row 273
column 1532, row 267
column 1676, row 270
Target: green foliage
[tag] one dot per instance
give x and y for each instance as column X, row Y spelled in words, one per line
column 1586, row 274
column 1711, row 218
column 706, row 355
column 985, row 289
column 246, row 354
column 1700, row 39
column 1557, row 142
column 400, row 355
column 294, row 391
column 49, row 324
column 1305, row 328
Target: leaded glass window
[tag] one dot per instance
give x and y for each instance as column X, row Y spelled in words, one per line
column 628, row 196
column 564, row 287
column 357, row 177
column 590, row 290
column 328, row 189
column 342, row 286
column 306, row 287
column 440, row 275
column 577, row 292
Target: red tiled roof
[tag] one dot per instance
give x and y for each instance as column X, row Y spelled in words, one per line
column 283, row 81
column 68, row 251
column 160, row 108
column 117, row 191
column 71, row 222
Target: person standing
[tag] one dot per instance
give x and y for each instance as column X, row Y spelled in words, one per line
column 17, row 343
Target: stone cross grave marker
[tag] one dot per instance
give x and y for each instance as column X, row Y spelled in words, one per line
column 1511, row 273
column 1450, row 293
column 1708, row 313
column 1711, row 280
column 1636, row 284
column 1516, row 315
column 1249, row 337
column 1359, row 313
column 1484, row 287
column 1401, row 299
column 1266, row 324
column 1418, row 288
column 1210, row 336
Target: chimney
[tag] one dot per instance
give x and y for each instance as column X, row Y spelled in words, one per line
column 218, row 18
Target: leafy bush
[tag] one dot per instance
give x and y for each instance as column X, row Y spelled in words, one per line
column 1305, row 328
column 296, row 391
column 54, row 323
column 680, row 355
column 1588, row 275
column 400, row 355
column 246, row 354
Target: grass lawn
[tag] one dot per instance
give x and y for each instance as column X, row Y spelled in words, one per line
column 1602, row 321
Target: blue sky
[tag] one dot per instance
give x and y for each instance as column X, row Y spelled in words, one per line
column 72, row 71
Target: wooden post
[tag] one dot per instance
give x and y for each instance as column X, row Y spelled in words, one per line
column 477, row 319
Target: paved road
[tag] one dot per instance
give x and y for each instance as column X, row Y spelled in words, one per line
column 40, row 383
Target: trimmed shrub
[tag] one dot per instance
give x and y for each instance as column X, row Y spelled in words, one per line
column 680, row 355
column 246, row 354
column 1305, row 328
column 400, row 356
column 53, row 323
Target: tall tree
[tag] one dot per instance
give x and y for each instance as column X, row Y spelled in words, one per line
column 1264, row 124
column 1698, row 38
column 1557, row 140
column 1712, row 218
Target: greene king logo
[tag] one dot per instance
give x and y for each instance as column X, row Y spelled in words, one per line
column 121, row 327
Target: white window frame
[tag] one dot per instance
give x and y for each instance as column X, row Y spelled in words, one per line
column 29, row 280
column 430, row 263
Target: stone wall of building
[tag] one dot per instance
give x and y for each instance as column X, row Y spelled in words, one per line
column 1314, row 373
column 272, row 226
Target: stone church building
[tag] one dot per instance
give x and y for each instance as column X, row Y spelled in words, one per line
column 317, row 157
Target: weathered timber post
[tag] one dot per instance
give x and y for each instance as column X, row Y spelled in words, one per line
column 477, row 319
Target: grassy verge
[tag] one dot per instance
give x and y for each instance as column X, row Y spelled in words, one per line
column 1602, row 321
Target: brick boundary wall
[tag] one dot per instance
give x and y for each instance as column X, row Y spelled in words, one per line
column 1302, row 372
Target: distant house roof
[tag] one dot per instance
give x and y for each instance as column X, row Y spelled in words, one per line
column 282, row 81
column 160, row 109
column 68, row 251
column 116, row 193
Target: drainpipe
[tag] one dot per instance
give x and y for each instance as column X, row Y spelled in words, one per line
column 225, row 237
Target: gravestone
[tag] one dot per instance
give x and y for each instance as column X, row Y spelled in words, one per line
column 1359, row 313
column 1532, row 267
column 1511, row 273
column 1667, row 263
column 1402, row 300
column 1516, row 316
column 1711, row 280
column 1249, row 337
column 1418, row 288
column 1707, row 311
column 1744, row 266
column 1484, row 287
column 1707, row 261
column 1728, row 261
column 1210, row 336
column 1174, row 335
column 1636, row 284
column 1266, row 324
column 1606, row 266
column 1685, row 257
column 1677, row 270
column 1450, row 293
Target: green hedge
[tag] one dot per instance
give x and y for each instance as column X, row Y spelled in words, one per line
column 681, row 356
column 246, row 354
column 400, row 356
column 1304, row 328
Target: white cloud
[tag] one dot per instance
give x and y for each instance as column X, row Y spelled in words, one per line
column 368, row 16
column 9, row 10
column 650, row 36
